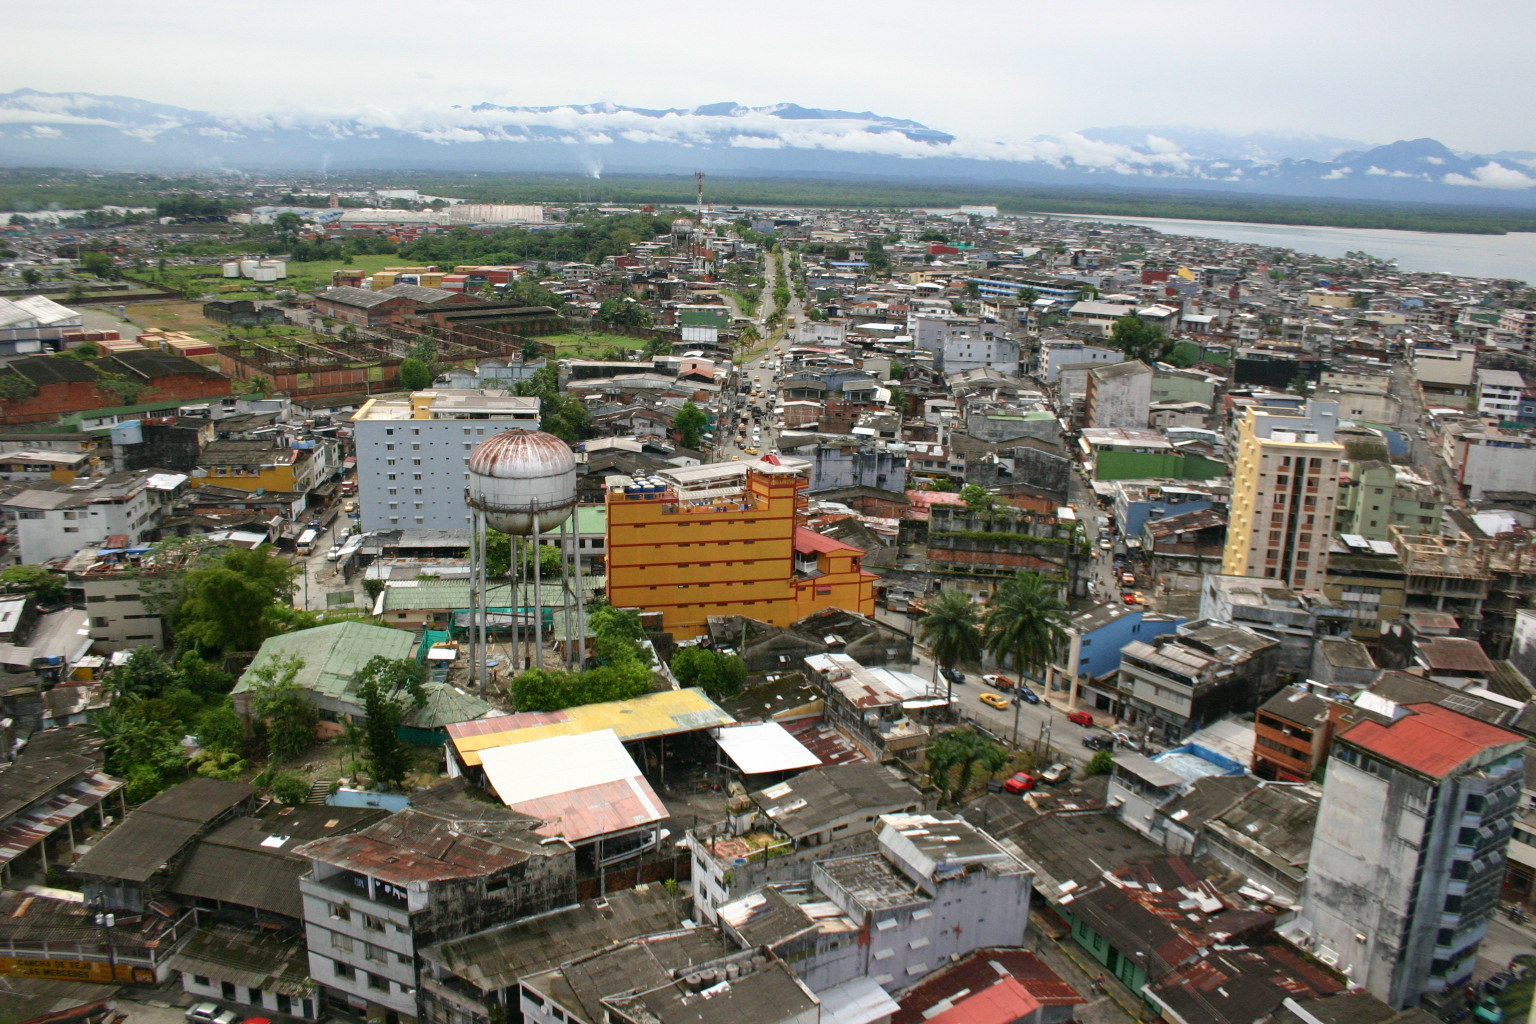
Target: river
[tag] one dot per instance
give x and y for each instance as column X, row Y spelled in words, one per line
column 1501, row 256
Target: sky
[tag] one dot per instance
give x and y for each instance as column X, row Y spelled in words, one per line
column 1007, row 71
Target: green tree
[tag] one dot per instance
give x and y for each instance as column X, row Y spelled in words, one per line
column 139, row 747
column 977, row 498
column 1139, row 339
column 99, row 264
column 961, row 751
column 145, row 674
column 952, row 633
column 389, row 690
column 1025, row 620
column 43, row 585
column 718, row 675
column 1101, row 763
column 625, row 311
column 415, row 375
column 220, row 728
column 289, row 788
column 30, row 277
column 690, row 423
column 283, row 707
column 230, row 600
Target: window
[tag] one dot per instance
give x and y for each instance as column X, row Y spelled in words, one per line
column 372, row 924
column 341, row 942
column 200, row 980
column 341, row 912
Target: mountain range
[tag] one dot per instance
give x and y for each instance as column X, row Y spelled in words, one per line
column 84, row 130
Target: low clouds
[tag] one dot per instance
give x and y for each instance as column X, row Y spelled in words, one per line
column 1492, row 175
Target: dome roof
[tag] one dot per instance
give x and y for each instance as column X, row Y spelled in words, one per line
column 521, row 454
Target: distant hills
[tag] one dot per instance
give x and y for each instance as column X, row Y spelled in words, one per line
column 83, row 130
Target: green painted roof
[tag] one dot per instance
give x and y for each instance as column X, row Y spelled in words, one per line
column 446, row 705
column 332, row 654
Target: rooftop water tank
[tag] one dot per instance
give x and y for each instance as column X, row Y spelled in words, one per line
column 518, row 477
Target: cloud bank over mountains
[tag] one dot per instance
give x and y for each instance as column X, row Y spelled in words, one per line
column 88, row 130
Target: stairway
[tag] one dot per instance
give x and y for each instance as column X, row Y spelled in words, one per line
column 318, row 791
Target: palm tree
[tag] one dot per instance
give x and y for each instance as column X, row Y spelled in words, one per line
column 964, row 749
column 952, row 633
column 1026, row 619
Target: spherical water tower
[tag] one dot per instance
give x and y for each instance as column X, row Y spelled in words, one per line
column 523, row 483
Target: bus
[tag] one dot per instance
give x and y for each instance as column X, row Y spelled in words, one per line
column 306, row 543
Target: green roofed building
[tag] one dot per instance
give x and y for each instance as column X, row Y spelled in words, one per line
column 332, row 657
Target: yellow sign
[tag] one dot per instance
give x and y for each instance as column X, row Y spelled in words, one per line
column 76, row 970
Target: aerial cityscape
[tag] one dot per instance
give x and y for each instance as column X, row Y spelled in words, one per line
column 513, row 540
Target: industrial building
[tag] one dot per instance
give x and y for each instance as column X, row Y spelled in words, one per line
column 726, row 539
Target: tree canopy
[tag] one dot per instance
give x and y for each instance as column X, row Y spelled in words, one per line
column 690, row 424
column 389, row 689
column 962, row 751
column 951, row 631
column 1025, row 620
column 285, row 712
column 1139, row 339
column 718, row 675
column 229, row 600
column 560, row 413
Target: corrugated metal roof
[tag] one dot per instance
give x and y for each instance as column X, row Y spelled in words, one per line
column 332, row 654
column 653, row 714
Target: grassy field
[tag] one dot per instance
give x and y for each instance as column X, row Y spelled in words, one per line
column 175, row 316
column 589, row 346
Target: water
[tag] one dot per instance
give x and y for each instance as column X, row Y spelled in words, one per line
column 1500, row 256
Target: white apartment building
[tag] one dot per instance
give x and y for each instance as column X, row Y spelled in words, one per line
column 1498, row 393
column 961, row 343
column 55, row 522
column 413, row 453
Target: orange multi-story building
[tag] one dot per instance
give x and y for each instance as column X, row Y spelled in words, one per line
column 726, row 539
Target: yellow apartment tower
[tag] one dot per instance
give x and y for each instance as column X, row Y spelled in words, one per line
column 1285, row 490
column 726, row 539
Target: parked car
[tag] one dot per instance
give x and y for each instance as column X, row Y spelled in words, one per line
column 1499, row 982
column 954, row 675
column 210, row 1013
column 1106, row 544
column 1082, row 718
column 1027, row 695
column 1022, row 782
column 994, row 701
column 1488, row 1011
column 1056, row 774
column 350, row 508
column 1094, row 741
column 334, row 553
column 1001, row 682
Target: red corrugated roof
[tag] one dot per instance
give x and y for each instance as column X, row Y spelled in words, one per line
column 1431, row 739
column 810, row 540
column 1002, row 1003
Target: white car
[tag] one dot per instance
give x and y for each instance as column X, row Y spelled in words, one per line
column 210, row 1013
column 334, row 553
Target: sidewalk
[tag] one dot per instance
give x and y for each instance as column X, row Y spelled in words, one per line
column 1115, row 1005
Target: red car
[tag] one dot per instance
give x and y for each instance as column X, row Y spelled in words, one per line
column 1082, row 718
column 1022, row 782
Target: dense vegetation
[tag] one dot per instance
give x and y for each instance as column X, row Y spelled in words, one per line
column 34, row 189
